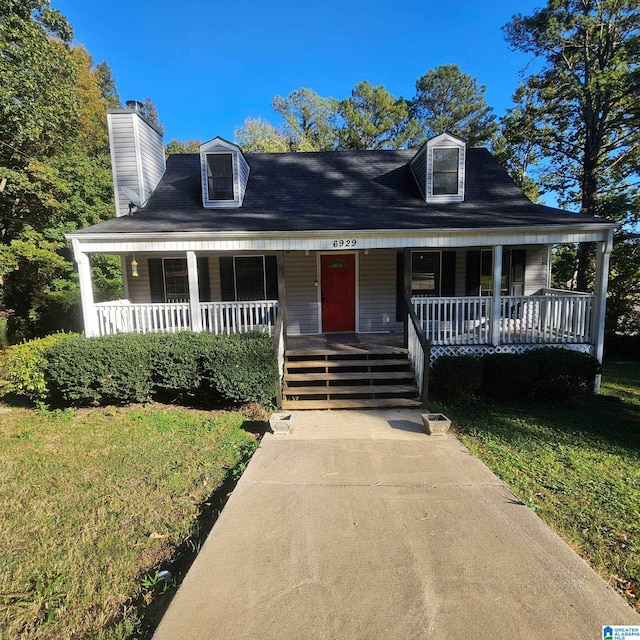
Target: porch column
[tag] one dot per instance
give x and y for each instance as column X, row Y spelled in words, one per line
column 495, row 287
column 194, row 291
column 603, row 252
column 407, row 266
column 282, row 301
column 125, row 276
column 89, row 316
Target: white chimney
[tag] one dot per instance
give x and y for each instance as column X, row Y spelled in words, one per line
column 137, row 157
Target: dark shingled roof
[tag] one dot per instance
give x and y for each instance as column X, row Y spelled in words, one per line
column 336, row 190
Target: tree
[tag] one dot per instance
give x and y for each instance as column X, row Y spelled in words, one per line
column 583, row 104
column 309, row 118
column 183, row 146
column 149, row 112
column 260, row 136
column 37, row 97
column 374, row 119
column 107, row 85
column 514, row 147
column 448, row 100
column 54, row 156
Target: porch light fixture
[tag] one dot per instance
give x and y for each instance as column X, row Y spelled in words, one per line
column 134, row 267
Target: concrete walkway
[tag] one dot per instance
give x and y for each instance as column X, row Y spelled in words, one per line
column 359, row 526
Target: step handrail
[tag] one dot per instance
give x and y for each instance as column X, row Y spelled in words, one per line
column 419, row 351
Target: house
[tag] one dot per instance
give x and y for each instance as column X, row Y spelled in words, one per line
column 435, row 245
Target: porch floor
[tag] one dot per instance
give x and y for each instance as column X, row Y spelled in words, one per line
column 346, row 342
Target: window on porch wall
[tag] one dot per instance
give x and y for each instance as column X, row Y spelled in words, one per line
column 246, row 278
column 169, row 280
column 433, row 274
column 479, row 277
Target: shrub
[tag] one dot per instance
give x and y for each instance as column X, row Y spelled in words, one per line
column 134, row 367
column 508, row 376
column 241, row 368
column 107, row 369
column 176, row 360
column 456, row 378
column 562, row 374
column 622, row 346
column 23, row 367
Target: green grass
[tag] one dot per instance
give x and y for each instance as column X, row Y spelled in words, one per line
column 93, row 502
column 577, row 465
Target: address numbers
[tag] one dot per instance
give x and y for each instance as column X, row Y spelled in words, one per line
column 340, row 244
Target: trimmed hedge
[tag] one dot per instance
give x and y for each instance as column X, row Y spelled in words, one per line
column 109, row 369
column 508, row 376
column 456, row 378
column 540, row 375
column 23, row 367
column 136, row 367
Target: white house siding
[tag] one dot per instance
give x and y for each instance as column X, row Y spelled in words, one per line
column 137, row 156
column 301, row 273
column 377, row 291
column 139, row 287
column 536, row 271
column 123, row 158
column 151, row 156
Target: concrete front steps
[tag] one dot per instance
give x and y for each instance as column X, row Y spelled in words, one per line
column 348, row 379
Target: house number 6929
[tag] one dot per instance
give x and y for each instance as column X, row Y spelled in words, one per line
column 339, row 244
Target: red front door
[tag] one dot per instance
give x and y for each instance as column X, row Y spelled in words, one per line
column 338, row 291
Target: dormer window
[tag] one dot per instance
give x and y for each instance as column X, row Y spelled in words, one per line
column 445, row 171
column 439, row 168
column 220, row 176
column 225, row 173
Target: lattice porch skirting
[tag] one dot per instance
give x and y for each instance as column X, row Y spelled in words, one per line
column 480, row 350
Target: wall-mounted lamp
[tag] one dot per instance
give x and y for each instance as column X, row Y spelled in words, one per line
column 366, row 252
column 306, row 252
column 134, row 267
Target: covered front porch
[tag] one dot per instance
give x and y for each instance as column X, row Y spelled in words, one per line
column 547, row 317
column 468, row 292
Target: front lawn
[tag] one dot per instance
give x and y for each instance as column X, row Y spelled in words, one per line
column 93, row 502
column 577, row 465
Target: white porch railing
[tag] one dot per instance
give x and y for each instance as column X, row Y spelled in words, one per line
column 547, row 319
column 239, row 317
column 121, row 316
column 552, row 318
column 451, row 321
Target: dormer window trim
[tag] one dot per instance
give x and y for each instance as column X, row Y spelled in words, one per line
column 430, row 168
column 229, row 189
column 220, row 178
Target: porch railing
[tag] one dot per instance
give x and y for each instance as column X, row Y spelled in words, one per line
column 419, row 350
column 121, row 316
column 549, row 317
column 239, row 317
column 555, row 318
column 454, row 320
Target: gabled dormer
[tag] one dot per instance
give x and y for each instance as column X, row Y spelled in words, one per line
column 438, row 168
column 224, row 173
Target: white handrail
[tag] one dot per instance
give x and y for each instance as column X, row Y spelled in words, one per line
column 217, row 317
column 549, row 319
column 454, row 320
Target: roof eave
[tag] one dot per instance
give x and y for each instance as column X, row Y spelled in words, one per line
column 197, row 235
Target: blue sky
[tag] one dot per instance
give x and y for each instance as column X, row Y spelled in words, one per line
column 209, row 65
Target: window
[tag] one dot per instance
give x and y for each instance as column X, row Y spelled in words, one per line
column 425, row 273
column 249, row 278
column 220, row 176
column 176, row 280
column 445, row 171
column 480, row 272
column 169, row 279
